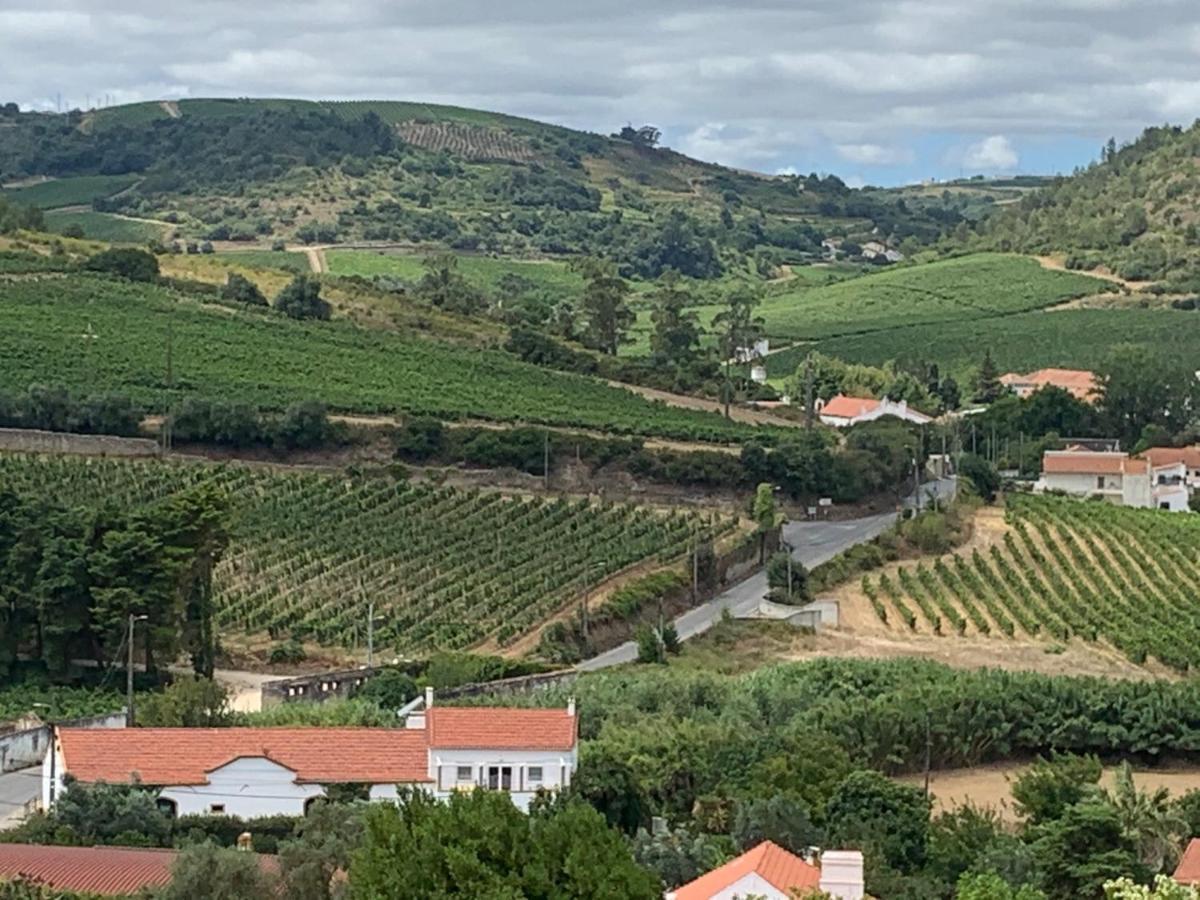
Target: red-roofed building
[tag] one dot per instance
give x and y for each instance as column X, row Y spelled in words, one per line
column 278, row 771
column 108, row 871
column 1079, row 383
column 1117, row 478
column 1188, row 870
column 771, row 872
column 1188, row 456
column 842, row 411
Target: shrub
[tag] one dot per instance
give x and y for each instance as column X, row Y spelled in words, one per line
column 126, row 262
column 302, row 300
column 243, row 290
column 290, row 651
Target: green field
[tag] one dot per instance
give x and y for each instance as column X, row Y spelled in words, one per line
column 57, row 703
column 1069, row 568
column 269, row 361
column 969, row 287
column 268, row 259
column 482, row 271
column 78, row 191
column 644, row 326
column 446, row 568
column 104, row 227
column 1071, row 338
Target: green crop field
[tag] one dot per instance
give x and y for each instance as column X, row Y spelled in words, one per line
column 1068, row 568
column 104, row 227
column 269, row 361
column 482, row 271
column 969, row 287
column 446, row 568
column 1072, row 338
column 268, row 259
column 56, row 703
column 78, row 191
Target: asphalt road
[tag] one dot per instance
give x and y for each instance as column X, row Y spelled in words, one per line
column 16, row 789
column 812, row 544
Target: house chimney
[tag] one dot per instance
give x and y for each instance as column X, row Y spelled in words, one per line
column 842, row 874
column 245, row 842
column 429, row 697
column 570, row 706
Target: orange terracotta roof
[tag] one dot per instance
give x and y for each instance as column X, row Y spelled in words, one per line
column 783, row 870
column 1088, row 462
column 843, row 407
column 177, row 756
column 1188, row 870
column 1166, row 456
column 95, row 870
column 500, row 728
column 1079, row 382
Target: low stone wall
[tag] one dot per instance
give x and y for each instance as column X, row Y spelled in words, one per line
column 29, row 440
column 26, row 747
column 521, row 684
column 316, row 688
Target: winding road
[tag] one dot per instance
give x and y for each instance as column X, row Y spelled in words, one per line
column 812, row 544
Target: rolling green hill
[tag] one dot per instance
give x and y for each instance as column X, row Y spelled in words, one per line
column 966, row 288
column 1133, row 211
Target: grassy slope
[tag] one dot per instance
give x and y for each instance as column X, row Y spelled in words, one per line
column 70, row 191
column 967, row 287
column 269, row 361
column 104, row 227
column 482, row 271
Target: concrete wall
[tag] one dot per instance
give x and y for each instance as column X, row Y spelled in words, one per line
column 315, row 688
column 29, row 440
column 27, row 746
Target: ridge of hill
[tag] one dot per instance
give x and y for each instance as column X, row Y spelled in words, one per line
column 1132, row 211
column 277, row 170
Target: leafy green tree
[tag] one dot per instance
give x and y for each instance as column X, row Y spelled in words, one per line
column 1138, row 390
column 988, row 388
column 1149, row 820
column 127, row 262
column 958, row 837
column 325, row 841
column 443, row 286
column 100, row 813
column 1082, row 849
column 189, row 702
column 390, row 688
column 606, row 781
column 218, row 873
column 737, row 328
column 1052, row 785
column 301, row 299
column 1164, row 889
column 676, row 336
column 778, row 569
column 304, row 426
column 603, row 302
column 949, row 393
column 888, row 821
column 981, row 475
column 782, row 819
column 766, row 515
column 678, row 856
column 242, row 290
column 990, row 886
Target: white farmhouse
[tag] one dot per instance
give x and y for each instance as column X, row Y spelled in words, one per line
column 843, row 411
column 770, row 872
column 1116, row 477
column 251, row 772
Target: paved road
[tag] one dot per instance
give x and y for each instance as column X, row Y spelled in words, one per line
column 17, row 789
column 813, row 543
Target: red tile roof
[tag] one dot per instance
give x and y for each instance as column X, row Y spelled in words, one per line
column 1079, row 382
column 843, row 407
column 1088, row 462
column 94, row 870
column 784, row 871
column 1188, row 870
column 500, row 728
column 177, row 756
column 1166, row 456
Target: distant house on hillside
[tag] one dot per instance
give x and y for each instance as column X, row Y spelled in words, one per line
column 875, row 250
column 758, row 350
column 773, row 873
column 1188, row 456
column 1119, row 479
column 252, row 772
column 842, row 411
column 1080, row 383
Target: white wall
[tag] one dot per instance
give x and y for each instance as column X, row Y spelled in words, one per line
column 1083, row 485
column 752, row 885
column 248, row 787
column 557, row 769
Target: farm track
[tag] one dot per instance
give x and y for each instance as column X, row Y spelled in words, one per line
column 737, row 414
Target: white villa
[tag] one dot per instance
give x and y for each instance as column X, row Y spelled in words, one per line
column 843, row 411
column 251, row 772
column 1120, row 479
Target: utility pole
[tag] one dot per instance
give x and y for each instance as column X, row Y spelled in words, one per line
column 695, row 573
column 916, row 484
column 808, row 392
column 371, row 635
column 129, row 713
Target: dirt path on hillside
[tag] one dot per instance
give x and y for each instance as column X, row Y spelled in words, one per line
column 737, row 413
column 171, row 108
column 1058, row 263
column 316, row 259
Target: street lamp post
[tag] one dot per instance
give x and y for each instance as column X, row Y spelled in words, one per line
column 129, row 715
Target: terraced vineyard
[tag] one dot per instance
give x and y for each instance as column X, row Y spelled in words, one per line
column 468, row 141
column 445, row 568
column 269, row 361
column 78, row 191
column 1125, row 577
column 972, row 287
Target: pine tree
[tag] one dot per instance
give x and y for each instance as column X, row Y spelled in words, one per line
column 988, row 388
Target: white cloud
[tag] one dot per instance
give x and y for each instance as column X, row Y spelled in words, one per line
column 992, row 154
column 875, row 154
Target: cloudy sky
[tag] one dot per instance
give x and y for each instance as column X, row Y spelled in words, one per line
column 877, row 91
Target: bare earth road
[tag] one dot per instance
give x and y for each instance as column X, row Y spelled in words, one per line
column 813, row 543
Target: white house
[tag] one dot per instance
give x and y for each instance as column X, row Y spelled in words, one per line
column 873, row 249
column 773, row 873
column 1189, row 456
column 842, row 411
column 759, row 350
column 1120, row 479
column 252, row 772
